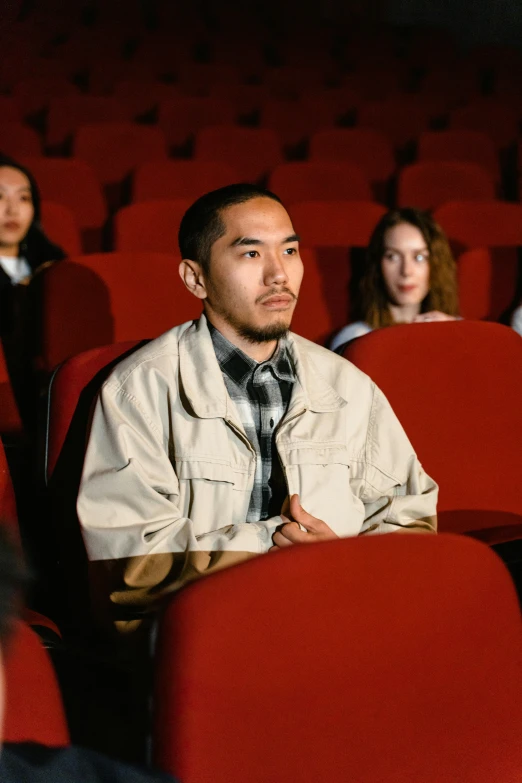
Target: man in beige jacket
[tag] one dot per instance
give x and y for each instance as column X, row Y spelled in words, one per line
column 230, row 436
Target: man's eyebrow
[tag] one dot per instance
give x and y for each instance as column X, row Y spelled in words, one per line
column 245, row 241
column 292, row 238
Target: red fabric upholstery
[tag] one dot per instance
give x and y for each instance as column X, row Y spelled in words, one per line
column 253, row 152
column 388, row 658
column 498, row 119
column 429, row 184
column 461, row 145
column 34, row 710
column 180, row 179
column 461, row 412
column 67, row 113
column 72, row 183
column 400, row 123
column 59, row 223
column 17, row 140
column 322, row 308
column 149, row 226
column 8, row 512
column 10, row 420
column 181, row 118
column 124, row 296
column 369, row 148
column 114, row 149
column 336, row 223
column 481, row 294
column 294, row 123
column 320, row 180
column 196, row 79
column 9, row 109
column 35, row 94
column 142, row 95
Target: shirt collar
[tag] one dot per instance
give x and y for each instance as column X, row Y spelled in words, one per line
column 240, row 367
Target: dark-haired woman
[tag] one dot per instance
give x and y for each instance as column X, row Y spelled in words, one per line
column 409, row 276
column 24, row 250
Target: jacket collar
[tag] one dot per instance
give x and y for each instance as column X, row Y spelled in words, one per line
column 203, row 383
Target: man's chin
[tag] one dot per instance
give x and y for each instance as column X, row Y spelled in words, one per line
column 266, row 333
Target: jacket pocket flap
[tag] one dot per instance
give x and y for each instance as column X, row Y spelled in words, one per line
column 209, row 471
column 318, row 454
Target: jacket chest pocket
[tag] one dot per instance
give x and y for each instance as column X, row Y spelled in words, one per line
column 325, row 479
column 213, row 494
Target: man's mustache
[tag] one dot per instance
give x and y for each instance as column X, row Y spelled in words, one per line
column 275, row 292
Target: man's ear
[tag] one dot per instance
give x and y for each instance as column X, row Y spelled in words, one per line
column 193, row 278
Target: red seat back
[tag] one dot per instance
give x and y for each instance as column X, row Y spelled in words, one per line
column 124, row 296
column 461, row 413
column 428, row 184
column 367, row 147
column 34, row 710
column 67, row 113
column 8, row 512
column 348, row 693
column 336, row 223
column 181, row 118
column 10, row 421
column 320, row 180
column 150, row 226
column 180, row 179
column 461, row 145
column 18, row 141
column 59, row 223
column 114, row 149
column 253, row 152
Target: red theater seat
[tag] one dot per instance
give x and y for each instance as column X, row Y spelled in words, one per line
column 336, row 223
column 35, row 94
column 399, row 121
column 369, row 148
column 253, row 152
column 180, row 179
column 496, row 225
column 114, row 149
column 181, row 118
column 34, row 710
column 469, row 441
column 150, row 225
column 460, row 145
column 498, row 119
column 133, row 296
column 17, row 140
column 396, row 658
column 320, row 180
column 8, row 512
column 72, row 183
column 10, row 421
column 60, row 225
column 68, row 113
column 428, row 184
column 294, row 122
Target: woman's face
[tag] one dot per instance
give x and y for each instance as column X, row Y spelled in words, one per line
column 16, row 209
column 405, row 265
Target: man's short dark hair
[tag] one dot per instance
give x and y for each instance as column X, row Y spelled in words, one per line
column 13, row 579
column 202, row 223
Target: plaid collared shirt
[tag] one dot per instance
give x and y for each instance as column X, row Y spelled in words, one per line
column 261, row 393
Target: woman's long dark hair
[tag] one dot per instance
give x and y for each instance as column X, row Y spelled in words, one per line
column 35, row 247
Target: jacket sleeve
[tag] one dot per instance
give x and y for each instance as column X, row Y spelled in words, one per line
column 398, row 494
column 138, row 543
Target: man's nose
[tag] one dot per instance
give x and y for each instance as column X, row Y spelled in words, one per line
column 275, row 270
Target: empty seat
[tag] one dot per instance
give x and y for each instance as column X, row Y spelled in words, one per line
column 34, row 710
column 253, row 152
column 114, row 149
column 455, row 432
column 197, row 79
column 428, row 184
column 181, row 118
column 367, row 147
column 17, row 140
column 498, row 119
column 399, row 121
column 68, row 113
column 8, row 512
column 246, row 98
column 294, row 122
column 72, row 183
column 9, row 109
column 336, row 223
column 133, row 296
column 461, row 145
column 150, row 225
column 142, row 95
column 59, row 223
column 496, row 225
column 35, row 94
column 180, row 179
column 319, row 180
column 349, row 661
column 477, row 285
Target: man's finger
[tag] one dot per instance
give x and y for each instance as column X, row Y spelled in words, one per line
column 301, row 516
column 280, row 540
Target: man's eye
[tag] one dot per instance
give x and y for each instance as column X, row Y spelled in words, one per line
column 290, row 251
column 252, row 254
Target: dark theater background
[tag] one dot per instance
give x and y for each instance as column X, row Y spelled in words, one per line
column 125, row 112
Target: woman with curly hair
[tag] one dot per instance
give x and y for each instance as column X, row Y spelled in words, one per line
column 409, row 276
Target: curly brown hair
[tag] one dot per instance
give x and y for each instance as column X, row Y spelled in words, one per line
column 372, row 300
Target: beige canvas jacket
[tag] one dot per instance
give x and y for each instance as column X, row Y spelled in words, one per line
column 169, row 471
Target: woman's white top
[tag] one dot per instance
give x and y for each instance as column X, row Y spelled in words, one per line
column 347, row 333
column 516, row 320
column 17, row 268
